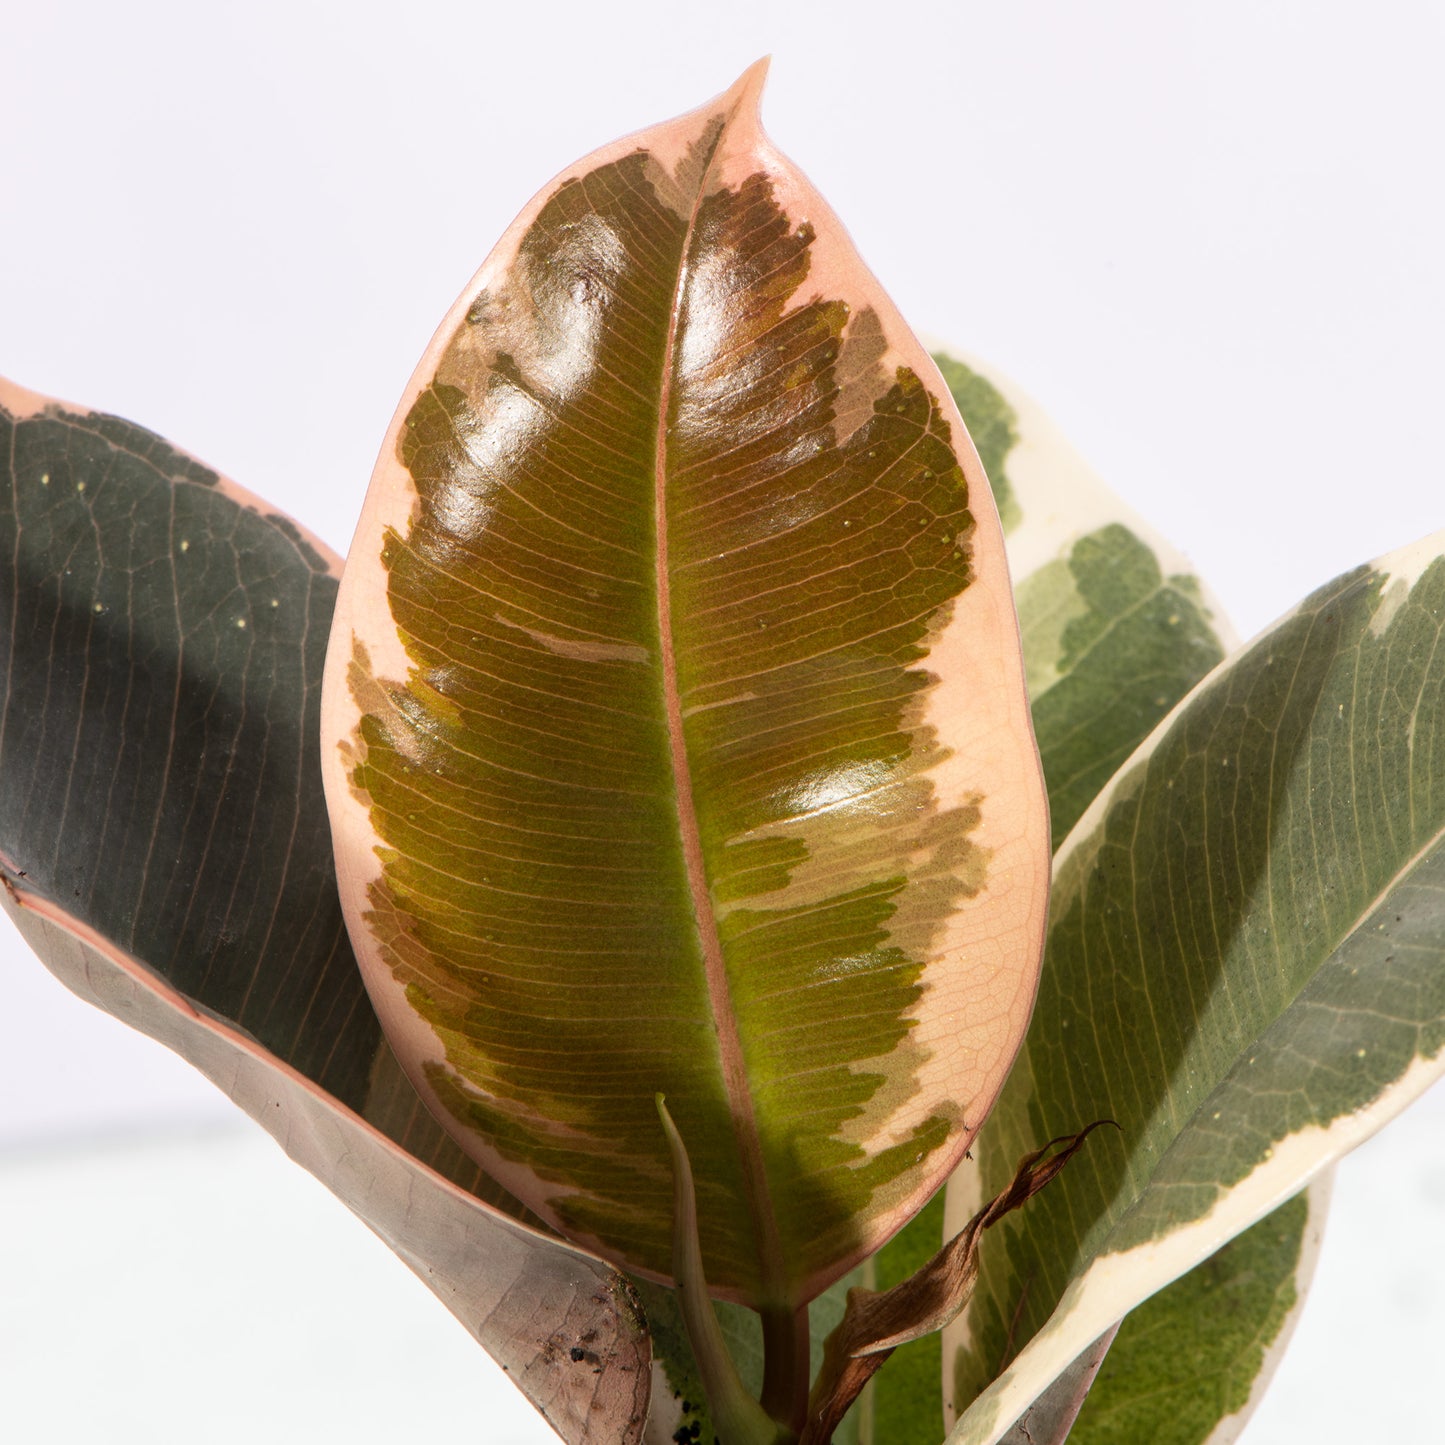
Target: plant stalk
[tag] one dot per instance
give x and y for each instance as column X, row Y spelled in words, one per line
column 786, row 1365
column 737, row 1417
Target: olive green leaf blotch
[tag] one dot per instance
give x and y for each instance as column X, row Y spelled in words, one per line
column 165, row 851
column 677, row 733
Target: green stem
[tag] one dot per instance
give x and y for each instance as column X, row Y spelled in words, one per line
column 737, row 1418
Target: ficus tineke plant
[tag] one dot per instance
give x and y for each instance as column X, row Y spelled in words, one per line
column 739, row 898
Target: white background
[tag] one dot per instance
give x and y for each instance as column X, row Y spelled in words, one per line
column 1207, row 238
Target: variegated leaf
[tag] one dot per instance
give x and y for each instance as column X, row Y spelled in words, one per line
column 1246, row 970
column 676, row 732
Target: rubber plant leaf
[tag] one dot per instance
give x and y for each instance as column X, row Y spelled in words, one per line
column 166, row 853
column 676, row 734
column 1250, row 915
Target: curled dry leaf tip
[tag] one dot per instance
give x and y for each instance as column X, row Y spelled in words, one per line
column 875, row 1324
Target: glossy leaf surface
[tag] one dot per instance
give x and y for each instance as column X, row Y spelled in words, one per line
column 677, row 733
column 166, row 853
column 1247, row 968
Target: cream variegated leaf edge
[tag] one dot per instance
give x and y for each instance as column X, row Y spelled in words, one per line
column 1136, row 1243
column 1193, row 1361
column 1316, row 1198
column 1057, row 499
column 1116, row 626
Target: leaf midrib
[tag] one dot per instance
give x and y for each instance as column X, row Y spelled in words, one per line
column 741, row 1107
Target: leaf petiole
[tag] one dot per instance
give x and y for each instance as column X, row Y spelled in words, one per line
column 739, row 1419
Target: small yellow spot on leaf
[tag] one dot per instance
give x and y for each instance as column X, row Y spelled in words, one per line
column 240, row 622
column 185, row 545
column 45, row 479
column 80, row 486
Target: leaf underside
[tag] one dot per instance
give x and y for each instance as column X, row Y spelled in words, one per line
column 670, row 540
column 165, row 849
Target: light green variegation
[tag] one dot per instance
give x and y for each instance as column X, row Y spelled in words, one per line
column 676, row 728
column 1246, row 968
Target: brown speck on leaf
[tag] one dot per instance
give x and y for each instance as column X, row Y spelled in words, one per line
column 477, row 311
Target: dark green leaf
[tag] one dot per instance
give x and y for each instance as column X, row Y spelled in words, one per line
column 165, row 849
column 1197, row 1354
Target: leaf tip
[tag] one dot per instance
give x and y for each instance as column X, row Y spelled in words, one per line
column 746, row 93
